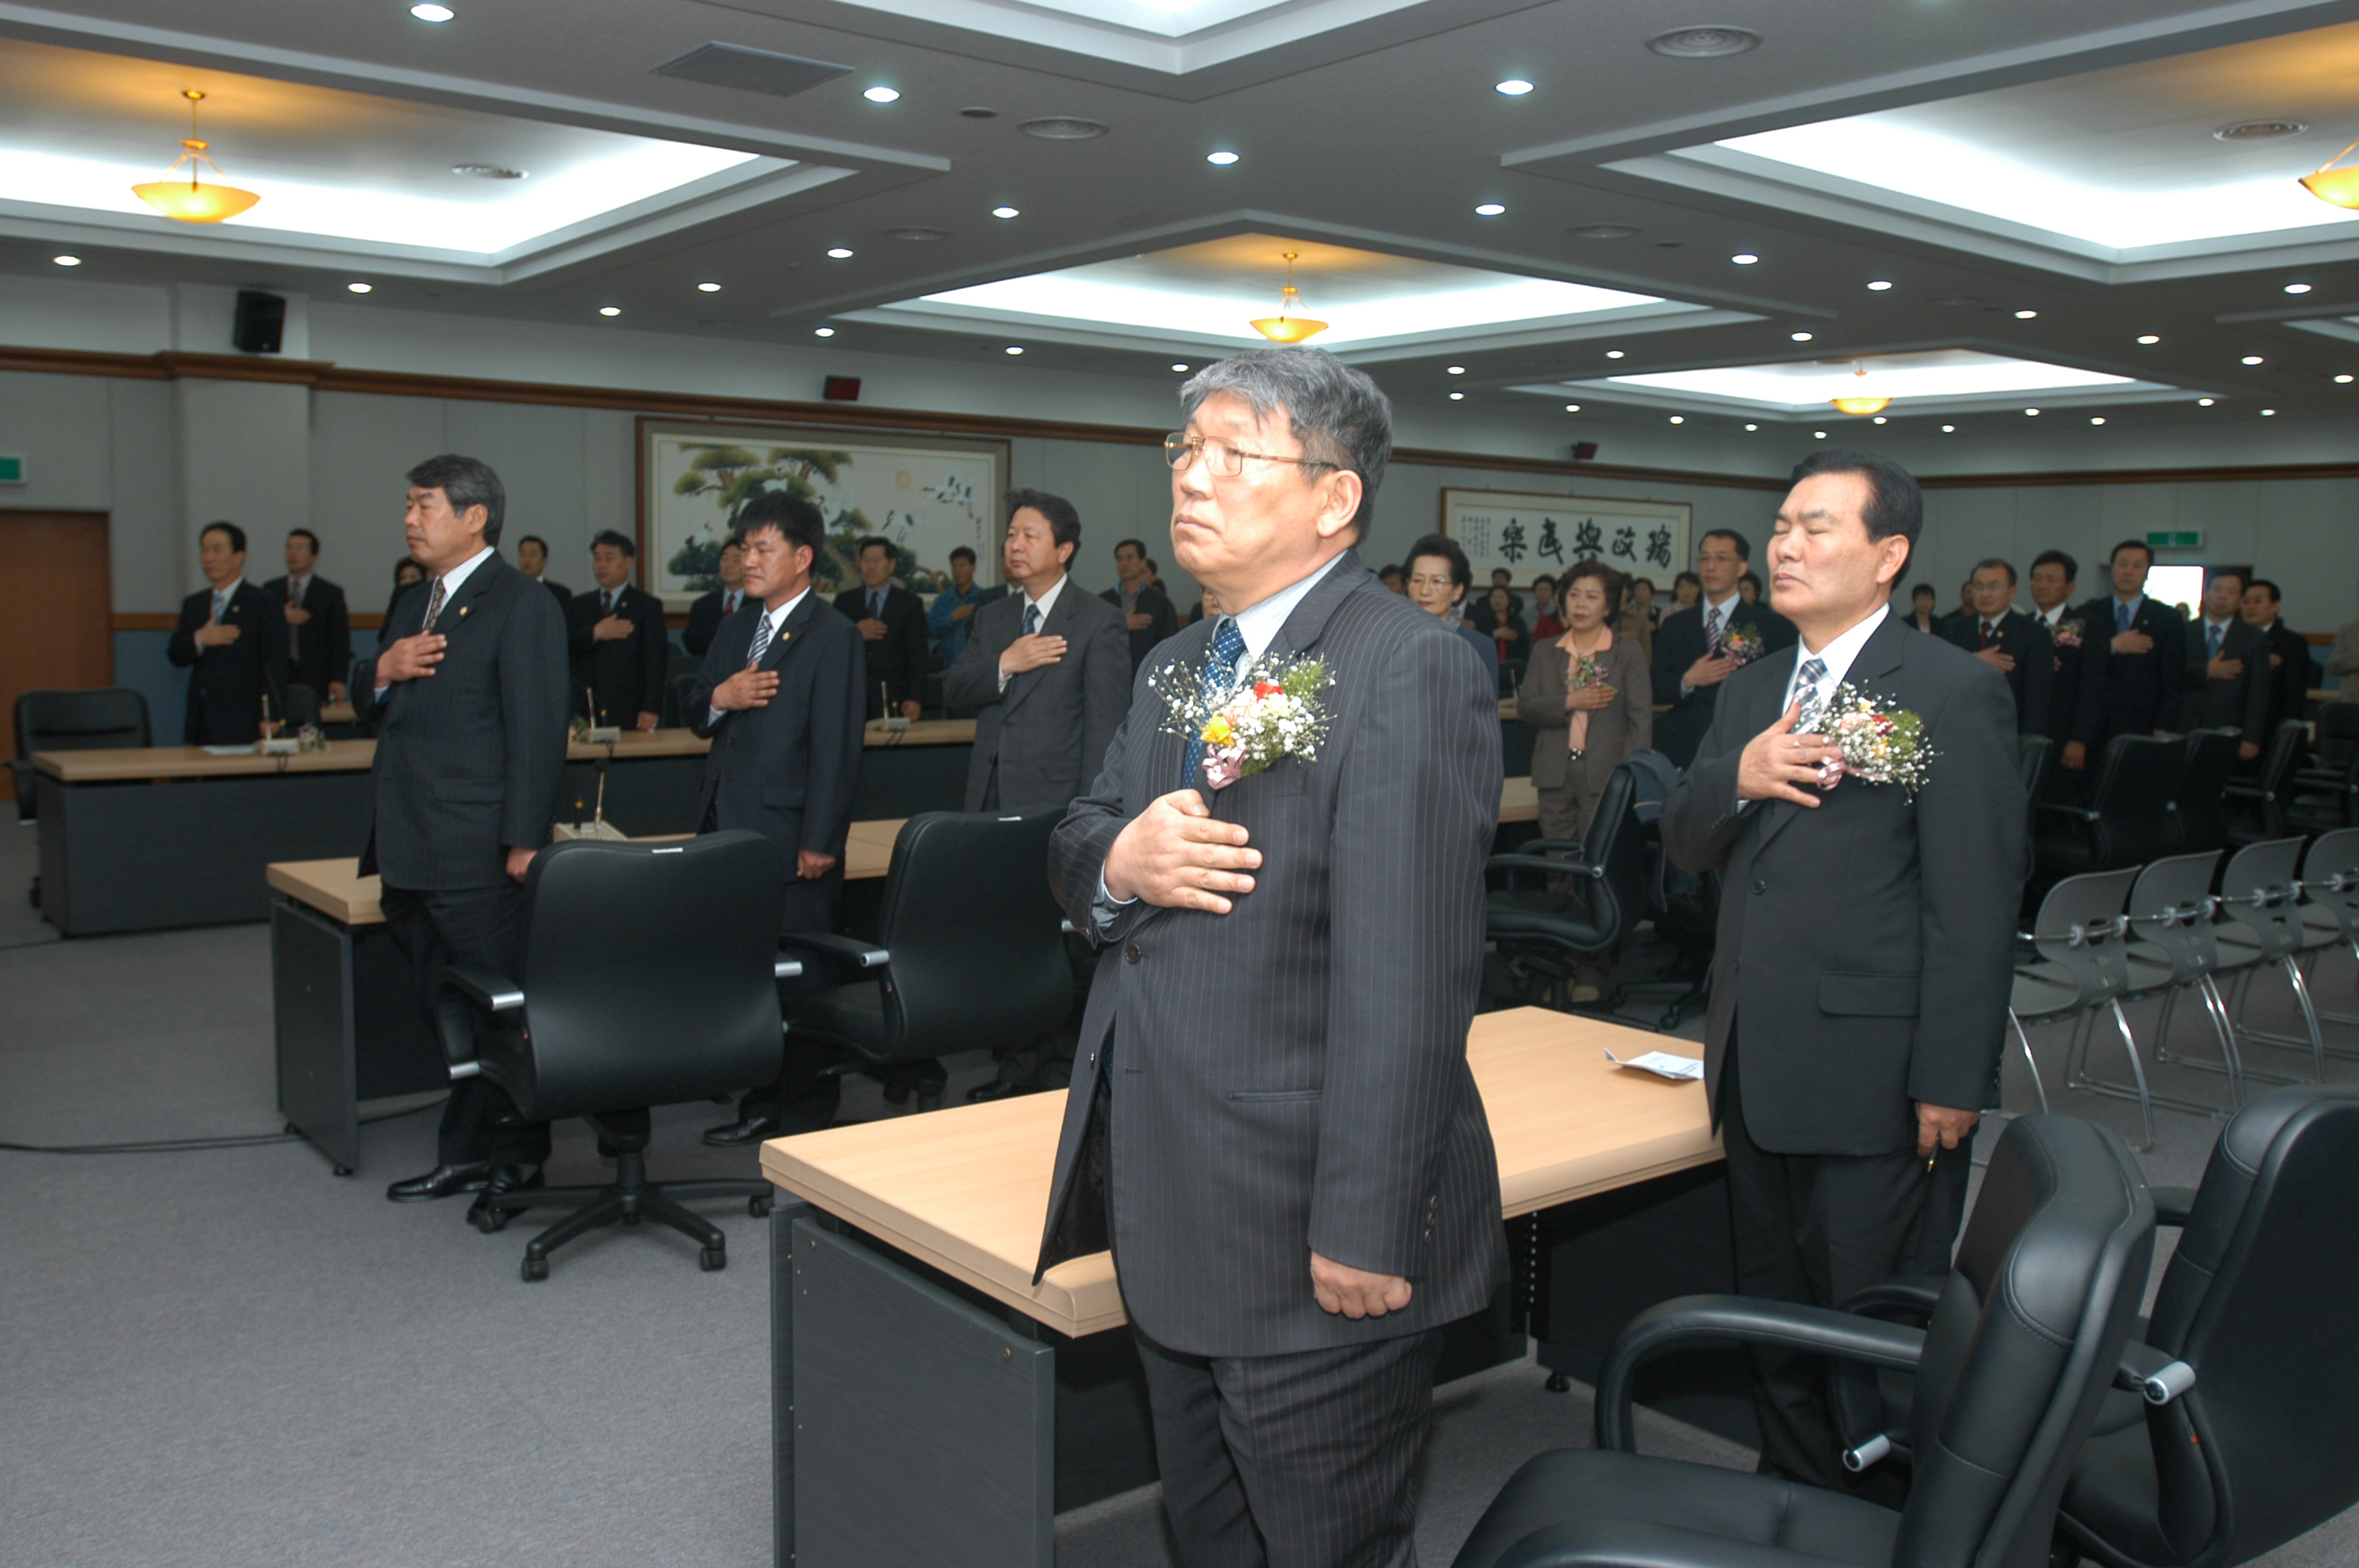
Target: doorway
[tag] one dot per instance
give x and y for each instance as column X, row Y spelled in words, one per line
column 59, row 631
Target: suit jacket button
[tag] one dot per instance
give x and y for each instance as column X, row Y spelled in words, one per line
column 1130, row 954
column 1759, row 887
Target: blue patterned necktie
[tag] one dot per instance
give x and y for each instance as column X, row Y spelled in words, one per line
column 1220, row 675
column 2214, row 636
column 1031, row 625
column 761, row 641
column 1806, row 692
column 2121, row 615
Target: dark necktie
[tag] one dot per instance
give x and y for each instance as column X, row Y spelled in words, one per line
column 2214, row 636
column 1031, row 625
column 433, row 606
column 295, row 633
column 1220, row 675
column 606, row 599
column 2121, row 615
column 1986, row 635
column 876, row 604
column 761, row 641
column 729, row 605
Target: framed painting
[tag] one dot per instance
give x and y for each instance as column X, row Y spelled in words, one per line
column 928, row 494
column 1528, row 535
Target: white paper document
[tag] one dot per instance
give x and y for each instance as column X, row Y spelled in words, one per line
column 1662, row 1064
column 229, row 751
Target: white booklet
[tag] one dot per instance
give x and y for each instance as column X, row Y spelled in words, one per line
column 1662, row 1064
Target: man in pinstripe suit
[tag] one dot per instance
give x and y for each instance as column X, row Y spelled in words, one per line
column 468, row 697
column 1274, row 1125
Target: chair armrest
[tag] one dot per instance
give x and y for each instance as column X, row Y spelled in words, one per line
column 2154, row 1375
column 2172, row 1205
column 2072, row 813
column 2244, row 791
column 1542, row 863
column 467, row 997
column 492, row 992
column 786, row 969
column 1573, row 847
column 1747, row 1320
column 845, row 952
column 1643, row 1543
column 1901, row 1296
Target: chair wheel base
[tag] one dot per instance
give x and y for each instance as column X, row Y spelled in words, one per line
column 489, row 1221
column 535, row 1269
column 711, row 1260
column 1558, row 1383
column 759, row 1208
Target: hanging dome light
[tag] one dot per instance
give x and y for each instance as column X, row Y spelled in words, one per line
column 1290, row 325
column 2330, row 184
column 1859, row 402
column 191, row 201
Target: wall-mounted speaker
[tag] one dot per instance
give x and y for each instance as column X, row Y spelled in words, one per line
column 1583, row 452
column 261, row 322
column 841, row 389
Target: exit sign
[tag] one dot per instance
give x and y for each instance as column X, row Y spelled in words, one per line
column 2185, row 539
column 12, row 471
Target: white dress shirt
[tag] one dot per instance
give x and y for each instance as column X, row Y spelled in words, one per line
column 1044, row 604
column 778, row 621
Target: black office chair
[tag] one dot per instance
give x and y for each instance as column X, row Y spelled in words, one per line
column 2323, row 793
column 1557, row 900
column 2034, row 755
column 2030, row 1327
column 969, row 954
column 649, row 977
column 2199, row 818
column 2255, row 807
column 2338, row 736
column 300, row 709
column 2128, row 819
column 104, row 719
column 2251, row 1442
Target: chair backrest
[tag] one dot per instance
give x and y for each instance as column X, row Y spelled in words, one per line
column 302, row 706
column 2202, row 809
column 2022, row 1346
column 2136, row 789
column 2330, row 876
column 976, row 938
column 1616, row 844
column 649, row 972
column 105, row 719
column 2079, row 928
column 2258, row 888
column 2338, row 734
column 2170, row 907
column 2257, row 1299
column 2032, row 756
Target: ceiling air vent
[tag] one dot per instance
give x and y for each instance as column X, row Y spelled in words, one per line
column 2259, row 130
column 751, row 70
column 1604, row 230
column 1063, row 128
column 917, row 233
column 1704, row 43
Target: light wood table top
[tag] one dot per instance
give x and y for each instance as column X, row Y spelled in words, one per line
column 921, row 732
column 338, row 713
column 966, row 1189
column 1519, row 800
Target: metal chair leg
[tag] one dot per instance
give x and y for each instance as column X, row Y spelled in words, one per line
column 2028, row 1059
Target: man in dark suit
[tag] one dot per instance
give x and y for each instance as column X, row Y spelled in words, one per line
column 1860, row 976
column 468, row 699
column 620, row 651
column 2139, row 652
column 705, row 616
column 1302, row 1195
column 318, row 624
column 2008, row 641
column 2289, row 656
column 779, row 698
column 2228, row 673
column 532, row 560
column 233, row 641
column 1692, row 647
column 893, row 623
column 1146, row 610
column 2073, row 714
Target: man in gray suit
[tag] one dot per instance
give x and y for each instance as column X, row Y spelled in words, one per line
column 1273, row 1122
column 1046, row 671
column 2228, row 673
column 1860, row 976
column 468, row 699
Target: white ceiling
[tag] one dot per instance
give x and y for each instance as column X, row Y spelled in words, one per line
column 1939, row 381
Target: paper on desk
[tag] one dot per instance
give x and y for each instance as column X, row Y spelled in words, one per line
column 1662, row 1064
column 229, row 751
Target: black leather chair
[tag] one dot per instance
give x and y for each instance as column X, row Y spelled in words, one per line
column 2128, row 819
column 301, row 707
column 2030, row 1327
column 104, row 719
column 649, row 977
column 2256, row 1444
column 2034, row 755
column 2256, row 805
column 2324, row 790
column 970, row 955
column 1554, row 899
column 2200, row 816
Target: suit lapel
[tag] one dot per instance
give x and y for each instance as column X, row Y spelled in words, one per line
column 1308, row 622
column 1058, row 624
column 788, row 629
column 478, row 583
column 1886, row 650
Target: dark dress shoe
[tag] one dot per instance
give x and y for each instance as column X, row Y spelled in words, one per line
column 737, row 1134
column 998, row 1088
column 442, row 1182
column 504, row 1179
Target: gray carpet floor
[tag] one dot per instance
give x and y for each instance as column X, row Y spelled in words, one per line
column 230, row 1359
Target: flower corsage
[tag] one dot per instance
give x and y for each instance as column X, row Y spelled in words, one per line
column 1586, row 673
column 1741, row 644
column 1276, row 710
column 2067, row 633
column 1881, row 741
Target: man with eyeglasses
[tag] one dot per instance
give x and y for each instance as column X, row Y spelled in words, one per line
column 1693, row 647
column 1273, row 1122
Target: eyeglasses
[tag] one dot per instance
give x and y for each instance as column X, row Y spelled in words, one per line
column 1223, row 461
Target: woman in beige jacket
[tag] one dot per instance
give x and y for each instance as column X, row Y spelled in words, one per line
column 1585, row 730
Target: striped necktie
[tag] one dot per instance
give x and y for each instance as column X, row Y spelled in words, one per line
column 1220, row 675
column 295, row 633
column 761, row 641
column 433, row 606
column 1031, row 625
column 1806, row 692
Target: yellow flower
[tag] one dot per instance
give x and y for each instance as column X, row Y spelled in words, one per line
column 1217, row 732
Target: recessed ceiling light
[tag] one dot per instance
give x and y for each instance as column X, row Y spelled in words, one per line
column 839, row 254
column 2342, row 381
column 1573, row 408
column 2096, row 419
column 2269, row 412
column 1753, row 426
column 2149, row 339
column 1949, row 429
column 882, row 96
column 1745, row 258
column 361, row 288
column 1880, row 284
column 1613, row 353
column 2252, row 359
column 822, row 331
column 1801, row 337
column 1178, row 365
column 2027, row 315
column 1224, row 157
column 1457, row 397
column 1014, row 348
column 1006, row 212
column 609, row 310
column 1678, row 419
column 1882, row 420
column 2034, row 412
column 1513, row 87
column 432, row 13
column 708, row 288
column 1490, row 210
column 1602, row 230
column 1457, row 370
column 2205, row 402
column 1704, row 43
column 2259, row 130
column 1064, row 128
column 1818, row 435
column 2296, row 289
column 66, row 261
column 487, row 171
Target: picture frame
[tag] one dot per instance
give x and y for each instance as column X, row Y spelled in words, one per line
column 926, row 493
column 1531, row 534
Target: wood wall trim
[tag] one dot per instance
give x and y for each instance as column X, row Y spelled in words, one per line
column 120, row 622
column 328, row 376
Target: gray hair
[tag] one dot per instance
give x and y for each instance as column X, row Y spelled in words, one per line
column 1338, row 415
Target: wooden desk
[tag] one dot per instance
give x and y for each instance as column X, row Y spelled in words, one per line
column 892, row 1242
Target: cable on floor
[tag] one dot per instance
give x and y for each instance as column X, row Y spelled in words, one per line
column 181, row 1145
